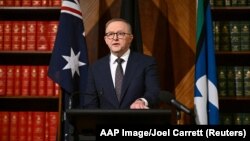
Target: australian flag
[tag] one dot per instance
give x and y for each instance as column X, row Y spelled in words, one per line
column 69, row 61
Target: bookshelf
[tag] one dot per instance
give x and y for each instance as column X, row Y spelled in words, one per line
column 232, row 104
column 20, row 104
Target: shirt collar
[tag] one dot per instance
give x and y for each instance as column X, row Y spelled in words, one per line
column 124, row 57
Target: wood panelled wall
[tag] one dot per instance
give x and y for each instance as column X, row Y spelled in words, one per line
column 168, row 33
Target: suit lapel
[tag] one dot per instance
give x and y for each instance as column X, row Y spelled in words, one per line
column 108, row 82
column 129, row 73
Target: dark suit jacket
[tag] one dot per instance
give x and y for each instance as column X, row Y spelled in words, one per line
column 140, row 80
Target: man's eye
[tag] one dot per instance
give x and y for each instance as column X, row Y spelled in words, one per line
column 110, row 34
column 121, row 33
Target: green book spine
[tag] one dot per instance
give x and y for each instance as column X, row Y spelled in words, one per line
column 222, row 80
column 246, row 80
column 227, row 3
column 226, row 119
column 242, row 2
column 211, row 2
column 235, row 35
column 224, row 36
column 239, row 87
column 237, row 118
column 216, row 30
column 234, row 3
column 219, row 3
column 230, row 81
column 244, row 36
column 246, row 119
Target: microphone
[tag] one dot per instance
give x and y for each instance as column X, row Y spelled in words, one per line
column 170, row 99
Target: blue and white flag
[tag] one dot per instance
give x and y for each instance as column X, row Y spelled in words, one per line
column 206, row 93
column 69, row 61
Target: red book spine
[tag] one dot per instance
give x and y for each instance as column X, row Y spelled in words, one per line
column 50, row 85
column 52, row 30
column 31, row 35
column 3, row 79
column 22, row 126
column 13, row 126
column 7, row 35
column 1, row 34
column 5, row 126
column 30, row 123
column 46, row 129
column 17, row 81
column 25, row 80
column 45, row 3
column 42, row 38
column 26, row 3
column 16, row 35
column 10, row 81
column 2, row 2
column 36, row 3
column 9, row 3
column 56, row 3
column 42, row 77
column 23, row 35
column 57, row 89
column 17, row 2
column 33, row 80
column 38, row 126
column 53, row 125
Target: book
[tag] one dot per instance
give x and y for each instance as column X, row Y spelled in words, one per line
column 230, row 81
column 246, row 80
column 239, row 75
column 22, row 125
column 25, row 77
column 235, row 35
column 13, row 126
column 10, row 80
column 1, row 34
column 42, row 78
column 244, row 36
column 17, row 80
column 42, row 43
column 225, row 36
column 222, row 80
column 33, row 81
column 3, row 79
column 7, row 35
column 31, row 35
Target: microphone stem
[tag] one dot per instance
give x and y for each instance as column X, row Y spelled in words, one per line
column 178, row 116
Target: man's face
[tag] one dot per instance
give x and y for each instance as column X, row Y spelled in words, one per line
column 118, row 37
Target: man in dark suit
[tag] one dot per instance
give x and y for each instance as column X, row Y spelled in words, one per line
column 140, row 87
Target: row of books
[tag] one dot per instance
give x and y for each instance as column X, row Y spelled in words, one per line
column 27, row 35
column 235, row 118
column 26, row 81
column 30, row 3
column 233, row 80
column 28, row 126
column 231, row 35
column 225, row 3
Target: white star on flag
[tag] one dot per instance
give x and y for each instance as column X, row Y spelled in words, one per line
column 73, row 62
